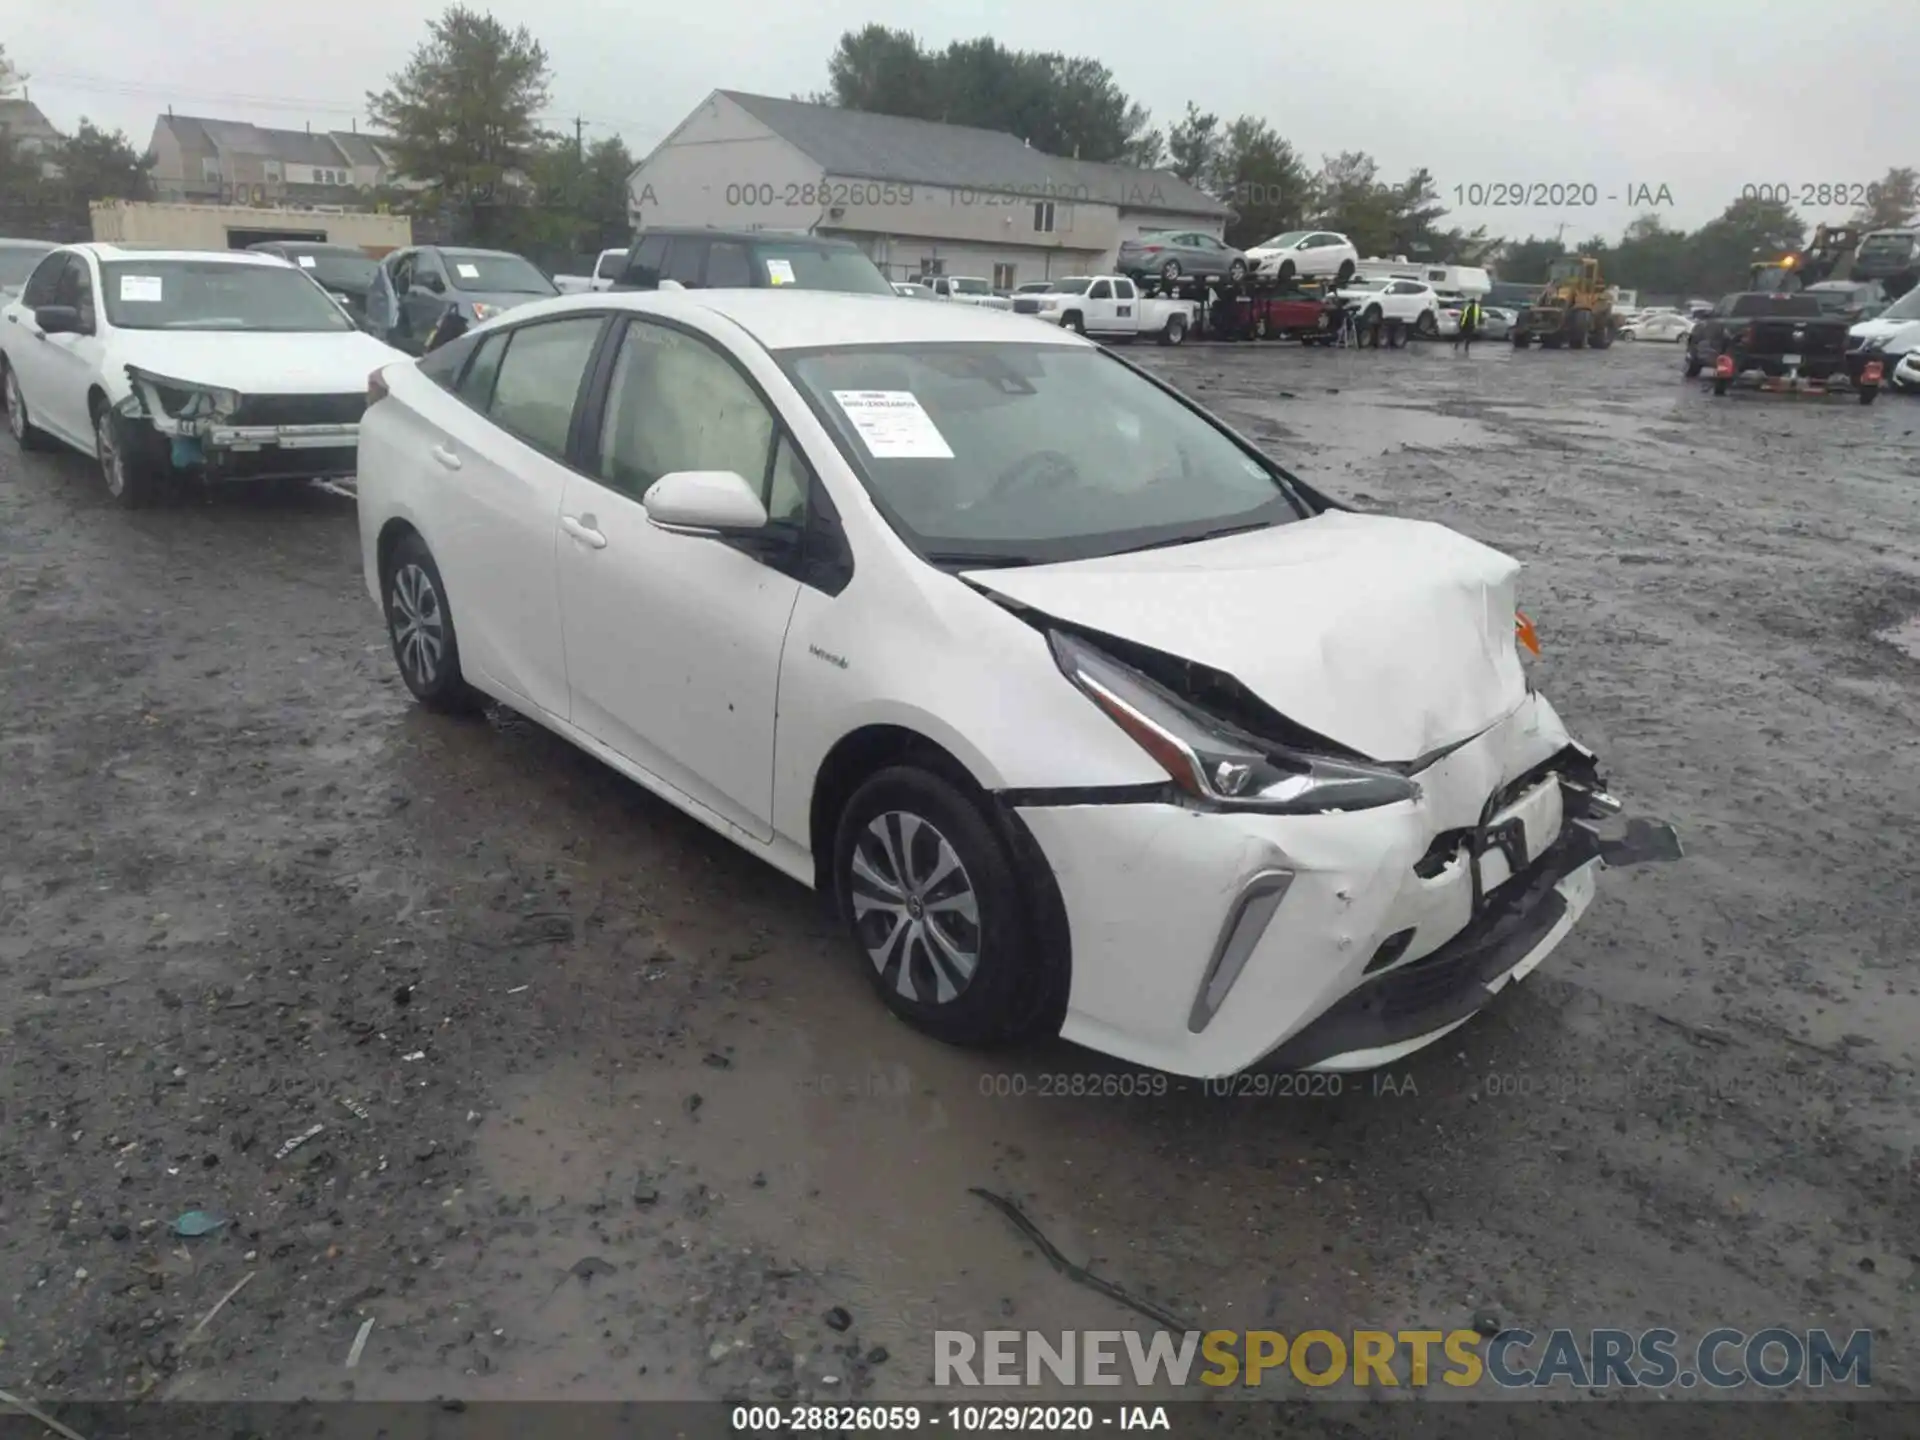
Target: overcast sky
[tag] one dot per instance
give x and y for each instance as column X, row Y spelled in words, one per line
column 1702, row 97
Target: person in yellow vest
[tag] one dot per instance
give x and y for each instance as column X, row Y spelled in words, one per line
column 1469, row 325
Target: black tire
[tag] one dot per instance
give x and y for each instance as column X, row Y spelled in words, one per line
column 1426, row 325
column 26, row 434
column 1579, row 329
column 1693, row 363
column 1236, row 272
column 1001, row 998
column 1721, row 384
column 1286, row 272
column 1601, row 338
column 1370, row 317
column 1519, row 339
column 1170, row 272
column 411, row 590
column 1869, row 393
column 1343, row 275
column 1072, row 321
column 1176, row 331
column 132, row 464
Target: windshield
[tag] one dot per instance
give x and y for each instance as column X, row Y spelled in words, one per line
column 971, row 287
column 1019, row 454
column 1069, row 287
column 1875, row 245
column 215, row 295
column 1907, row 307
column 17, row 262
column 336, row 269
column 1281, row 242
column 819, row 267
column 488, row 272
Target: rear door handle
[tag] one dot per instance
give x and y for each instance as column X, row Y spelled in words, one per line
column 582, row 529
column 446, row 457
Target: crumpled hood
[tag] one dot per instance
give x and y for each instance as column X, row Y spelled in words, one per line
column 335, row 363
column 1394, row 637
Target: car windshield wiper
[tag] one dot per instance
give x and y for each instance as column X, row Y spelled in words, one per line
column 1224, row 530
column 977, row 560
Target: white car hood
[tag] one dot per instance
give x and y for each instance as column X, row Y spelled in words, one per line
column 1888, row 330
column 256, row 364
column 1394, row 637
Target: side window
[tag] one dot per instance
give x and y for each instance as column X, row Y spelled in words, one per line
column 1101, row 291
column 685, row 256
column 443, row 366
column 427, row 269
column 790, row 484
column 728, row 266
column 40, row 284
column 676, row 403
column 1123, row 290
column 539, row 380
column 476, row 384
column 403, row 273
column 643, row 271
column 75, row 287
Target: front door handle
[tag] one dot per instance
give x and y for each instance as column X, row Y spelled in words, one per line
column 445, row 456
column 582, row 529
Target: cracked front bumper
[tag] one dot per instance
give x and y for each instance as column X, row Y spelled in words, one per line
column 1205, row 943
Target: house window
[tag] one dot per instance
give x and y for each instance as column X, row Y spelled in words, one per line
column 1003, row 277
column 209, row 167
column 933, row 266
column 273, row 171
column 1043, row 217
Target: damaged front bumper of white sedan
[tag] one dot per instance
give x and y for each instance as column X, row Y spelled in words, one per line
column 1206, row 941
column 223, row 435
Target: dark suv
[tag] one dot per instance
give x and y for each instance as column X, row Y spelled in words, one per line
column 743, row 259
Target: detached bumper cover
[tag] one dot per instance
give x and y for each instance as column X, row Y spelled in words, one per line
column 1205, row 943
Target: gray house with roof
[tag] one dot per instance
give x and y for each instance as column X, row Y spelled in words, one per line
column 233, row 162
column 918, row 196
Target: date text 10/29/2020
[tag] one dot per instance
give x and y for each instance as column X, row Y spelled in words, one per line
column 1559, row 193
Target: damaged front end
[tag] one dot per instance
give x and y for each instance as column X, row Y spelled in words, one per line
column 220, row 434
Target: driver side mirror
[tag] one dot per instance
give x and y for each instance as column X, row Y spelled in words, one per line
column 703, row 502
column 59, row 320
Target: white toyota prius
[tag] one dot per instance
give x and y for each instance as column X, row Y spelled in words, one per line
column 1088, row 717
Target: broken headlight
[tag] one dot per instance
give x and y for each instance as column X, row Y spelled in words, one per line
column 1216, row 762
column 182, row 399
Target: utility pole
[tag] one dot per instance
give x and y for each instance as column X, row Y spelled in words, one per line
column 579, row 142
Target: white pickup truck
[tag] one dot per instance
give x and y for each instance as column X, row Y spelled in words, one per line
column 606, row 270
column 1109, row 305
column 966, row 290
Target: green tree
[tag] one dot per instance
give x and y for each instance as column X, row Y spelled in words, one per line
column 1352, row 200
column 1414, row 213
column 1148, row 152
column 1747, row 232
column 1193, row 146
column 96, row 164
column 1525, row 262
column 1892, row 203
column 462, row 113
column 11, row 79
column 884, row 72
column 1263, row 178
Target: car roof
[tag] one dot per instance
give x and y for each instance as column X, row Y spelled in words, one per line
column 787, row 318
column 748, row 237
column 104, row 251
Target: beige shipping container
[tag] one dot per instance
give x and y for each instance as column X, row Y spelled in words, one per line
column 234, row 227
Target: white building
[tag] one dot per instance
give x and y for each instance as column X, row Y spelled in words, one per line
column 919, row 197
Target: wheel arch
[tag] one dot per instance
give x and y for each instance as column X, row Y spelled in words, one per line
column 875, row 746
column 396, row 529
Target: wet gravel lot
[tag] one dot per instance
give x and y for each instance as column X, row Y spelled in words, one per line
column 596, row 1105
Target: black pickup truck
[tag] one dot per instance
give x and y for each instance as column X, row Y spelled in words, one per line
column 1770, row 340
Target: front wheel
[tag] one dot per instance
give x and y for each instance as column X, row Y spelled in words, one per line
column 128, row 464
column 420, row 627
column 1237, row 271
column 933, row 901
column 1427, row 326
column 1627, row 334
column 1343, row 275
column 1170, row 271
column 1073, row 322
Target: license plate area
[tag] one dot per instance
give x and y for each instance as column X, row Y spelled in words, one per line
column 1792, row 362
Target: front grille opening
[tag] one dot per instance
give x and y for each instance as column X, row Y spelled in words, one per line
column 1440, row 854
column 1391, row 949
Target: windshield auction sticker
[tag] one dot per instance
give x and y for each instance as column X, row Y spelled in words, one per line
column 467, row 272
column 780, row 272
column 893, row 424
column 144, row 288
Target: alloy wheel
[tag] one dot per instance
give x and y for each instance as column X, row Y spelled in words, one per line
column 112, row 466
column 419, row 624
column 914, row 908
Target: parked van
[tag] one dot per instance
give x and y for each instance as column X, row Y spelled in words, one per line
column 1454, row 279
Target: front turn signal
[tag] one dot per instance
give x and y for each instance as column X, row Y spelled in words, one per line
column 1524, row 632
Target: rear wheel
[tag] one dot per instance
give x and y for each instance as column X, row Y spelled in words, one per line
column 1694, row 363
column 1072, row 321
column 1579, row 330
column 1868, row 394
column 26, row 434
column 931, row 896
column 1519, row 338
column 1428, row 325
column 420, row 626
column 1176, row 331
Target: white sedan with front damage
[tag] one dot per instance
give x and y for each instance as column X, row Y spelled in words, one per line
column 1088, row 717
column 173, row 364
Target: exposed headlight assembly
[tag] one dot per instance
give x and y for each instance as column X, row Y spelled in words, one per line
column 1216, row 763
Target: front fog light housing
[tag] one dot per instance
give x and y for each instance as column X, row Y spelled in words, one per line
column 1215, row 762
